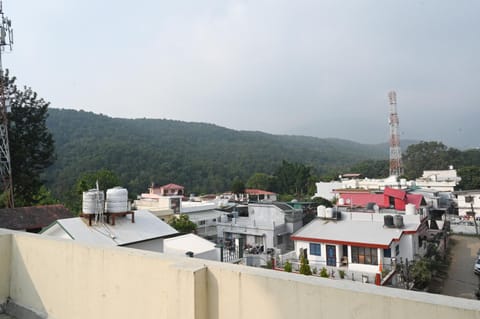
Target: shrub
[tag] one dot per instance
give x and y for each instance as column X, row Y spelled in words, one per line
column 324, row 272
column 288, row 266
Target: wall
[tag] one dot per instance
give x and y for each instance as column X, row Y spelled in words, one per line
column 65, row 279
column 5, row 253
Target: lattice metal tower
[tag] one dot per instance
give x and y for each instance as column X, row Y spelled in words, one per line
column 6, row 41
column 396, row 166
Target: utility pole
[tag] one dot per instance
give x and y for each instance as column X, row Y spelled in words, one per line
column 396, row 166
column 6, row 41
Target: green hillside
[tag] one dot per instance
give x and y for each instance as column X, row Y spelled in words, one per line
column 202, row 157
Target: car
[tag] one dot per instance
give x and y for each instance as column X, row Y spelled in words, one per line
column 476, row 267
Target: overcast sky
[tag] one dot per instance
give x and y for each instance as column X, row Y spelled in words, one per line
column 317, row 68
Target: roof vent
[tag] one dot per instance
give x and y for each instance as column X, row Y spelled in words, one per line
column 388, row 221
column 398, row 221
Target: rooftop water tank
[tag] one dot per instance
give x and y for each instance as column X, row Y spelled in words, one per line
column 117, row 200
column 410, row 209
column 329, row 212
column 388, row 221
column 398, row 221
column 321, row 211
column 92, row 202
column 341, row 201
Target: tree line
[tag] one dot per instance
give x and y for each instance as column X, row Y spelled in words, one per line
column 57, row 154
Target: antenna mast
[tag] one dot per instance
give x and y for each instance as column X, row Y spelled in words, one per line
column 6, row 41
column 396, row 166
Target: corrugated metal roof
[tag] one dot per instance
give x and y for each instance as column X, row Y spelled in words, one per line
column 32, row 217
column 188, row 242
column 396, row 193
column 146, row 227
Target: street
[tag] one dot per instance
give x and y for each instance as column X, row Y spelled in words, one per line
column 461, row 281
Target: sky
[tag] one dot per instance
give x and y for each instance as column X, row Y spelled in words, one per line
column 316, row 68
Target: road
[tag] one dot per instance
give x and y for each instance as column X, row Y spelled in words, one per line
column 461, row 281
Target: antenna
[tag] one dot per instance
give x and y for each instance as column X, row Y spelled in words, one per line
column 6, row 41
column 396, row 166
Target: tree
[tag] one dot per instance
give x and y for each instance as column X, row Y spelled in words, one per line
column 304, row 266
column 427, row 156
column 31, row 144
column 372, row 168
column 293, row 178
column 260, row 181
column 470, row 177
column 421, row 272
column 238, row 186
column 183, row 224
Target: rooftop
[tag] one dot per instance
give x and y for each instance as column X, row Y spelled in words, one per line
column 34, row 217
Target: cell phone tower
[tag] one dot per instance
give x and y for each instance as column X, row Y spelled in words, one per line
column 396, row 166
column 6, row 41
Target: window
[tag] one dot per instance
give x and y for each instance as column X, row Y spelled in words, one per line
column 315, row 249
column 201, row 222
column 387, row 253
column 279, row 240
column 397, row 250
column 363, row 255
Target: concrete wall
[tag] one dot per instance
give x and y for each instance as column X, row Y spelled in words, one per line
column 5, row 253
column 65, row 279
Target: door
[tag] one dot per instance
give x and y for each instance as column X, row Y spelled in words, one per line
column 331, row 255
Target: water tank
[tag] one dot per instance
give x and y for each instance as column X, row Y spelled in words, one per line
column 388, row 220
column 321, row 211
column 92, row 201
column 341, row 201
column 410, row 209
column 117, row 200
column 398, row 221
column 329, row 212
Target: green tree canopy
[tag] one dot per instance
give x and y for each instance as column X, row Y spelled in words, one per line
column 293, row 178
column 260, row 181
column 31, row 143
column 238, row 186
column 183, row 224
column 426, row 156
column 470, row 177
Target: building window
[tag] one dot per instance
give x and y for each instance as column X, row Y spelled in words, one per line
column 363, row 255
column 397, row 250
column 279, row 240
column 201, row 222
column 387, row 253
column 315, row 249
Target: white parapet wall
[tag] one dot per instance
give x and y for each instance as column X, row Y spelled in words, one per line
column 63, row 279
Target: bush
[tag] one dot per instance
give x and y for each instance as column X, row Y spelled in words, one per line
column 341, row 273
column 324, row 272
column 287, row 267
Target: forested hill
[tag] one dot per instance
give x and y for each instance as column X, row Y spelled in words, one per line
column 202, row 157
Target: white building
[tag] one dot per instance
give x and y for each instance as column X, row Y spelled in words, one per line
column 268, row 225
column 361, row 242
column 441, row 180
column 467, row 200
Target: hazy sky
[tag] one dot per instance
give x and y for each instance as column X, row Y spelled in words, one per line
column 318, row 68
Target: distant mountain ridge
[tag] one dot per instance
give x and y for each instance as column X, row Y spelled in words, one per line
column 202, row 157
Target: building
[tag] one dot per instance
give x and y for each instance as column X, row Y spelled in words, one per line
column 167, row 190
column 397, row 199
column 266, row 225
column 440, row 180
column 360, row 242
column 33, row 218
column 141, row 230
column 468, row 201
column 45, row 277
column 259, row 195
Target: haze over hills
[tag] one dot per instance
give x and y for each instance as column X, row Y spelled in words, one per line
column 202, row 157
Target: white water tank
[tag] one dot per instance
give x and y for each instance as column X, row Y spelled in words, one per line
column 117, row 200
column 329, row 212
column 341, row 201
column 410, row 209
column 92, row 201
column 321, row 211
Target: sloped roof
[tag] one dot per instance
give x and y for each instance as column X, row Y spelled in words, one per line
column 32, row 217
column 416, row 199
column 365, row 233
column 172, row 186
column 253, row 191
column 146, row 227
column 396, row 193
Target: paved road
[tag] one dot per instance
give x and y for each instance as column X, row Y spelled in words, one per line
column 461, row 281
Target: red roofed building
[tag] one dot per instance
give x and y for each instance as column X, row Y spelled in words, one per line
column 167, row 190
column 260, row 195
column 391, row 198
